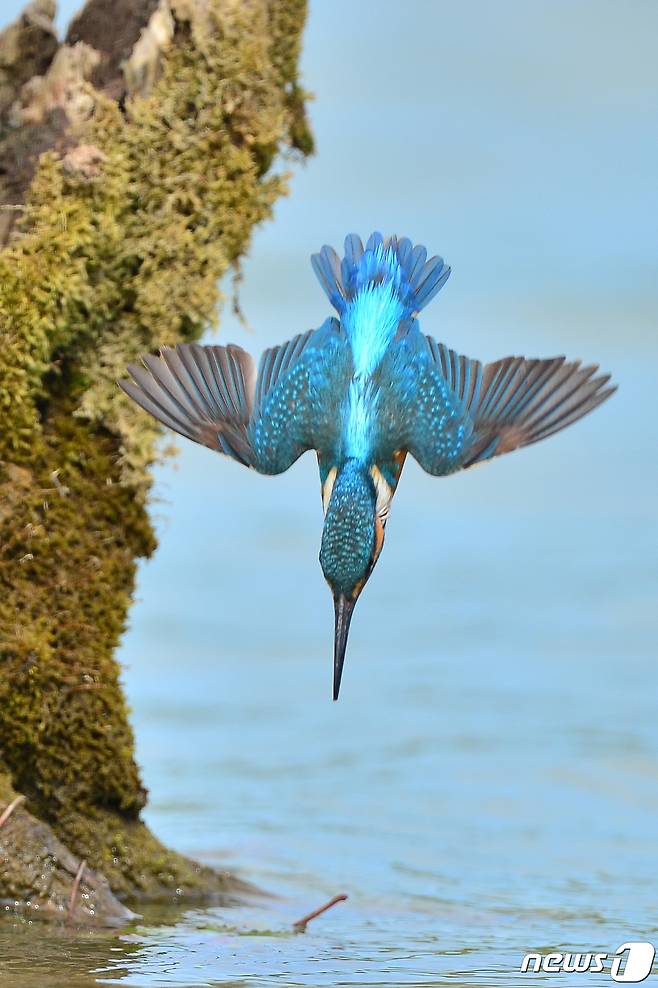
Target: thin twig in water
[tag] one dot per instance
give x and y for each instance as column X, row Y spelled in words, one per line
column 10, row 809
column 74, row 891
column 300, row 925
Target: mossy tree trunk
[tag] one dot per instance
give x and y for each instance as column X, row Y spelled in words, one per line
column 135, row 163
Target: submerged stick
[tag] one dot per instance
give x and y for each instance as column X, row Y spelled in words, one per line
column 300, row 925
column 74, row 891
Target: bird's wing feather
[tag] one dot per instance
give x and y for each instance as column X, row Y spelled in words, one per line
column 276, row 361
column 202, row 392
column 297, row 390
column 471, row 412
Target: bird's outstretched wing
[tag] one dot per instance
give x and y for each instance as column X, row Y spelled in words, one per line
column 468, row 412
column 211, row 394
column 203, row 392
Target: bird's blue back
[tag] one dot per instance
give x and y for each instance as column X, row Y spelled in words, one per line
column 344, row 395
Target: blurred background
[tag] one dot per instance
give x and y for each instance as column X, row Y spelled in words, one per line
column 488, row 782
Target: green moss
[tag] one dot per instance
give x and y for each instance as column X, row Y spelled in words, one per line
column 107, row 268
column 101, row 270
column 70, row 543
column 286, row 28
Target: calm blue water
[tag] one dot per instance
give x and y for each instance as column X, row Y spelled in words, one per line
column 488, row 783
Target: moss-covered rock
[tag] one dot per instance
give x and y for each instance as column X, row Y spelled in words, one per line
column 129, row 223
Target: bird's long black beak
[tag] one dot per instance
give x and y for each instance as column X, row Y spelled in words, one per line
column 344, row 608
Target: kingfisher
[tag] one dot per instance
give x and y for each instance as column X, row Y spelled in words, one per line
column 363, row 391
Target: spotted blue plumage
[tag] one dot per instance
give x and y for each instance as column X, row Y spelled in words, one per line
column 348, row 536
column 297, row 404
column 363, row 391
column 376, row 291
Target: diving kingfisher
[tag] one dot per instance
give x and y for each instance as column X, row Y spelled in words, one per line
column 363, row 391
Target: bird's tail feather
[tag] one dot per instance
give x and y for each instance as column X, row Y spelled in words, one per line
column 202, row 392
column 415, row 279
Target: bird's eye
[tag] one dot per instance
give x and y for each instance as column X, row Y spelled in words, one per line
column 328, row 487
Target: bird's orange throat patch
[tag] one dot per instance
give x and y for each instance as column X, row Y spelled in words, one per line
column 379, row 538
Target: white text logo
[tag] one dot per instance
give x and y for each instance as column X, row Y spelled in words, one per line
column 631, row 962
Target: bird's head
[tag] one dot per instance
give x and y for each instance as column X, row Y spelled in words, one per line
column 352, row 539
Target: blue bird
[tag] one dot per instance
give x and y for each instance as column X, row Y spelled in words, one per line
column 363, row 391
